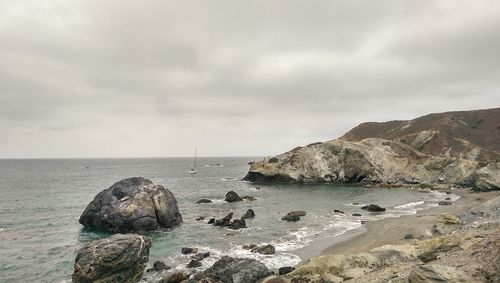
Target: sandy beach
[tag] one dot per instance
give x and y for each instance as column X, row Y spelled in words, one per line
column 393, row 230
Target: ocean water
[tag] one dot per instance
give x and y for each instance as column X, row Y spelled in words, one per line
column 41, row 201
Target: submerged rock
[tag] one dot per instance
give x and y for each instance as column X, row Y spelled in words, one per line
column 293, row 216
column 193, row 264
column 250, row 198
column 232, row 197
column 118, row 258
column 186, row 251
column 233, row 270
column 445, row 203
column 373, row 208
column 132, row 205
column 200, row 256
column 265, row 250
column 203, row 200
column 158, row 266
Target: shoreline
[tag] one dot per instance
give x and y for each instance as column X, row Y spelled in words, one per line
column 391, row 231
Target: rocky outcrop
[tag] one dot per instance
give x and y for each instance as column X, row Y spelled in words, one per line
column 233, row 270
column 119, row 258
column 372, row 160
column 132, row 205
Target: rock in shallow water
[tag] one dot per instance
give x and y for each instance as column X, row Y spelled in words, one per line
column 232, row 197
column 119, row 258
column 132, row 205
column 373, row 208
column 248, row 214
column 233, row 270
column 265, row 250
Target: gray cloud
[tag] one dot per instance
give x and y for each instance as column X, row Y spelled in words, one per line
column 129, row 78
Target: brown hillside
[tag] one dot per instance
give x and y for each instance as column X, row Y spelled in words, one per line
column 471, row 135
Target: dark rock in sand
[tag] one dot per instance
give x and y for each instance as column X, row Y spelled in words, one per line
column 203, row 200
column 337, row 211
column 445, row 203
column 435, row 231
column 134, row 204
column 200, row 256
column 265, row 250
column 249, row 247
column 211, row 221
column 249, row 214
column 186, row 251
column 118, row 258
column 233, row 270
column 447, row 199
column 285, row 270
column 193, row 264
column 176, row 277
column 232, row 197
column 356, row 214
column 237, row 224
column 373, row 208
column 200, row 218
column 158, row 266
column 224, row 221
column 409, row 237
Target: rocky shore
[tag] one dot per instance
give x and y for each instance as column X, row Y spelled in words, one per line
column 458, row 243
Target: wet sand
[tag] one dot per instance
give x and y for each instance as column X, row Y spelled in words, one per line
column 393, row 230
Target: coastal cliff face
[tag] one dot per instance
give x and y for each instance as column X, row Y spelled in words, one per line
column 351, row 159
column 473, row 135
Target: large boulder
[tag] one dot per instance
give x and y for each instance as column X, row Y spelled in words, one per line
column 233, row 270
column 132, row 205
column 119, row 258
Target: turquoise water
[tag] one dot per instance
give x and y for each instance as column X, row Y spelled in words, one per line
column 41, row 201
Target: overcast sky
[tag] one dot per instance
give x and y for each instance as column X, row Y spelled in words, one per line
column 154, row 78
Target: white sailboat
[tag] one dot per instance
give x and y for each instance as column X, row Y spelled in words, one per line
column 193, row 169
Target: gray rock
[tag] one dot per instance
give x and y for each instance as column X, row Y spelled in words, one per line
column 445, row 203
column 203, row 200
column 200, row 256
column 265, row 250
column 233, row 270
column 224, row 221
column 119, row 258
column 293, row 216
column 186, row 251
column 193, row 264
column 232, row 197
column 248, row 214
column 132, row 205
column 373, row 208
column 250, row 198
column 425, row 274
column 356, row 214
column 237, row 224
column 211, row 221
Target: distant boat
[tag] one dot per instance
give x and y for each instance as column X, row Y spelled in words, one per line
column 193, row 169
